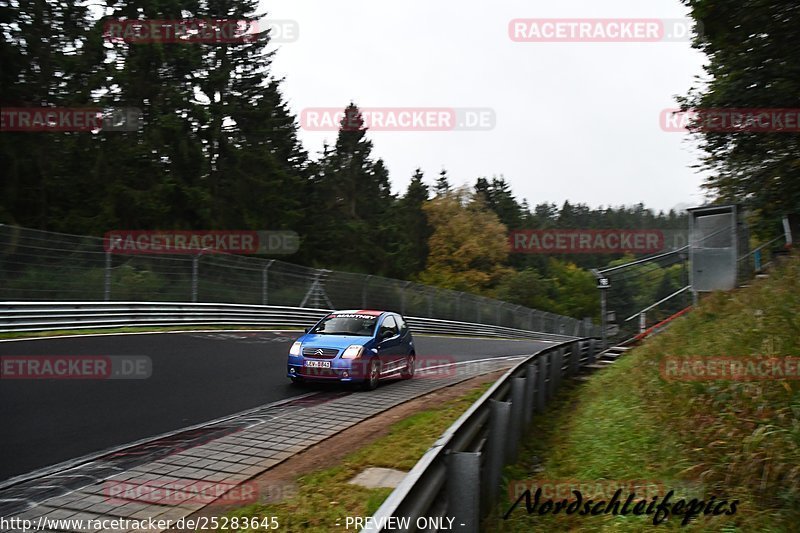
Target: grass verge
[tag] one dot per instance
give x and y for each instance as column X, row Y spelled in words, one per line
column 324, row 498
column 733, row 440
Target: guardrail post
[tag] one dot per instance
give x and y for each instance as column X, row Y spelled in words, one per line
column 517, row 412
column 464, row 490
column 541, row 387
column 575, row 358
column 499, row 415
column 592, row 348
column 555, row 362
column 530, row 393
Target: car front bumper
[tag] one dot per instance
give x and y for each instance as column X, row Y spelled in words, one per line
column 344, row 370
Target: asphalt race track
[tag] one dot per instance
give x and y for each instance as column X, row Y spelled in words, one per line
column 196, row 377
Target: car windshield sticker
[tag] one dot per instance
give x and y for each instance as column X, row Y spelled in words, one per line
column 367, row 317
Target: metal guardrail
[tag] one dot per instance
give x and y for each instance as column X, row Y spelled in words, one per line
column 460, row 475
column 49, row 316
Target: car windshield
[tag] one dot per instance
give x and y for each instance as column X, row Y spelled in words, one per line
column 359, row 325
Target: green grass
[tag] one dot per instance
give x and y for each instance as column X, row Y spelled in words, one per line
column 732, row 440
column 325, row 497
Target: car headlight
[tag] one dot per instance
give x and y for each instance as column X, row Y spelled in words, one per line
column 295, row 349
column 353, row 351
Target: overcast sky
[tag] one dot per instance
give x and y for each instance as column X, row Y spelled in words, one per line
column 575, row 121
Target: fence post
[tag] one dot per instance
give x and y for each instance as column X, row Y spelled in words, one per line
column 541, row 387
column 195, row 260
column 464, row 490
column 364, row 292
column 107, row 281
column 403, row 297
column 499, row 415
column 265, row 283
column 603, row 315
column 517, row 412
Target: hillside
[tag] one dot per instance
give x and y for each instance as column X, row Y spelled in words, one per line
column 730, row 439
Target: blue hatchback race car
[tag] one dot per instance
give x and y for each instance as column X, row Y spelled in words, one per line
column 360, row 347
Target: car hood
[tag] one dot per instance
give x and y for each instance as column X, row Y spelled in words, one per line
column 332, row 341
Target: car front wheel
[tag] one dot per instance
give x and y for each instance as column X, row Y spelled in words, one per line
column 408, row 371
column 373, row 375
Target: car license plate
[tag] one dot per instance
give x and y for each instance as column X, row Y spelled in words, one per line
column 318, row 364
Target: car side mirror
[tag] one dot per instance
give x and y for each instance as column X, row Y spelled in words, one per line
column 307, row 329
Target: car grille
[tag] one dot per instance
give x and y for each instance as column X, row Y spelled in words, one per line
column 320, row 353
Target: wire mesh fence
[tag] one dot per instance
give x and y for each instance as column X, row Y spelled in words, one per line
column 649, row 290
column 634, row 288
column 38, row 265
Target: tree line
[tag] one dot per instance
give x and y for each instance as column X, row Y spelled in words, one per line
column 219, row 149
